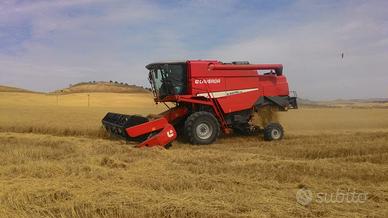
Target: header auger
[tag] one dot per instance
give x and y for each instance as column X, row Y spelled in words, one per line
column 210, row 97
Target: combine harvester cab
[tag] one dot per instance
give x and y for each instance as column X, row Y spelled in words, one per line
column 209, row 97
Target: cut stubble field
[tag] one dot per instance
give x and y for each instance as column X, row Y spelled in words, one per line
column 56, row 161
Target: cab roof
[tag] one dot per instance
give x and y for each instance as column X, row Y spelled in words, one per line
column 153, row 65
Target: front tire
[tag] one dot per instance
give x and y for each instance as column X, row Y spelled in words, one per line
column 273, row 131
column 202, row 128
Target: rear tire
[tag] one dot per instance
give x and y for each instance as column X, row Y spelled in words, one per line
column 273, row 131
column 202, row 128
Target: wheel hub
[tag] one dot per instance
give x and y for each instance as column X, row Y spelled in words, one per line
column 275, row 134
column 204, row 131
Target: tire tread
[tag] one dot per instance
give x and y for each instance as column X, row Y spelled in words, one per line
column 269, row 127
column 189, row 125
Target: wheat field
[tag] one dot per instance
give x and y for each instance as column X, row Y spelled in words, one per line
column 57, row 162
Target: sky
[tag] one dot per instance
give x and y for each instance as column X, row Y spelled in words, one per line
column 47, row 45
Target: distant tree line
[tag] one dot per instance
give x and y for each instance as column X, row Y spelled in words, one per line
column 110, row 82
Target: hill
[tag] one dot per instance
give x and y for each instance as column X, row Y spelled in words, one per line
column 114, row 87
column 12, row 89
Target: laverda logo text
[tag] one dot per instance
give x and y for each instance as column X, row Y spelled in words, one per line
column 207, row 81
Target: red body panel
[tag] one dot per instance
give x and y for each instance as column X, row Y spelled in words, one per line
column 167, row 132
column 166, row 136
column 147, row 127
column 235, row 87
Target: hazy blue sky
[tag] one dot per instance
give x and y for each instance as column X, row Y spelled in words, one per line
column 45, row 45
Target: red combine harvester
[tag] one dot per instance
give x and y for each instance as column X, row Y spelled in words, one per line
column 209, row 97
